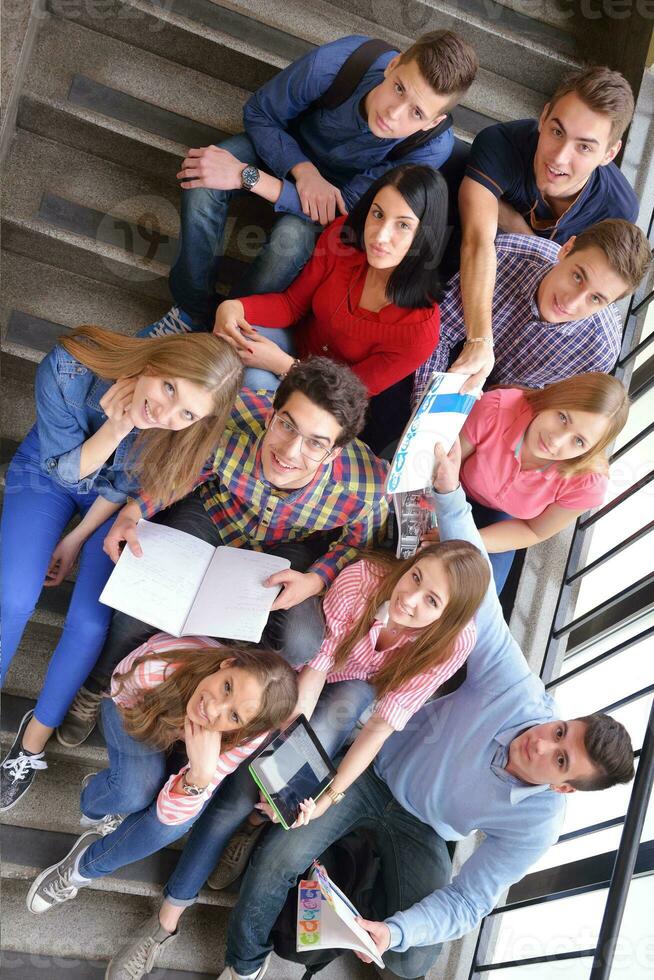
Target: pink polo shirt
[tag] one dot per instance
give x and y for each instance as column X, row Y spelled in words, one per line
column 492, row 475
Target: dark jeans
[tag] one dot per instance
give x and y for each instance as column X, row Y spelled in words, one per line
column 296, row 633
column 414, row 863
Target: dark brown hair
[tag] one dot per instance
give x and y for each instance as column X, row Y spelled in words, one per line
column 332, row 387
column 446, row 62
column 468, row 575
column 158, row 716
column 609, row 748
column 604, row 91
column 624, row 245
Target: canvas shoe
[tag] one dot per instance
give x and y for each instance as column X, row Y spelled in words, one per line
column 104, row 825
column 137, row 957
column 229, row 973
column 58, row 884
column 236, row 855
column 80, row 719
column 175, row 321
column 18, row 768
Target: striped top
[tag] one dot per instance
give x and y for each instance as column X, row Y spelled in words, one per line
column 343, row 605
column 174, row 808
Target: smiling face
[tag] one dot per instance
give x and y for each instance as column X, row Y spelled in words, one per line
column 168, row 403
column 573, row 141
column 389, row 230
column 558, row 434
column 421, row 595
column 553, row 753
column 298, row 427
column 404, row 103
column 225, row 700
column 578, row 285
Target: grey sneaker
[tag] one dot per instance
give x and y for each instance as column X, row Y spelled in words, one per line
column 229, row 973
column 137, row 957
column 104, row 825
column 80, row 720
column 54, row 886
column 236, row 855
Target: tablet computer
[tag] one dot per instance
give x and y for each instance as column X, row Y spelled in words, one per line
column 292, row 767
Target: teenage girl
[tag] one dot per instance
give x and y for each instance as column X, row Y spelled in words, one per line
column 534, row 460
column 113, row 414
column 214, row 703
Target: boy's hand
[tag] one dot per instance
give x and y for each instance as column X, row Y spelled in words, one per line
column 296, row 587
column 123, row 529
column 446, row 475
column 379, row 933
column 319, row 198
column 211, row 167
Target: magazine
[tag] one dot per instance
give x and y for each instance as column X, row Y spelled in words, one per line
column 326, row 919
column 438, row 417
column 415, row 514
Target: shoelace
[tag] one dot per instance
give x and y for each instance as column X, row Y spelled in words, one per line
column 138, row 963
column 171, row 322
column 21, row 765
column 238, row 846
column 110, row 823
column 61, row 888
column 85, row 705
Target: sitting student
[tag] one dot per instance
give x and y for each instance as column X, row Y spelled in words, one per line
column 491, row 756
column 83, row 456
column 533, row 461
column 384, row 108
column 367, row 296
column 216, row 703
column 290, row 472
column 553, row 314
column 553, row 178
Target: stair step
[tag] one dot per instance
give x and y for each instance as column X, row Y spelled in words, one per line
column 27, row 966
column 30, row 663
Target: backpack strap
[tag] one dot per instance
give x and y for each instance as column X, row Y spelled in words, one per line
column 351, row 72
column 420, row 138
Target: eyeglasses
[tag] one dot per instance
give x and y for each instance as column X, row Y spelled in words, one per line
column 310, row 448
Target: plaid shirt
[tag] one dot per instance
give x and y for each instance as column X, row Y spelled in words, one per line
column 528, row 351
column 346, row 492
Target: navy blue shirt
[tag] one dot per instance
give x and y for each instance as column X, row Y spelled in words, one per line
column 337, row 141
column 502, row 161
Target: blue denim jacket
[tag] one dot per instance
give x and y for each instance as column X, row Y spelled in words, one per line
column 67, row 413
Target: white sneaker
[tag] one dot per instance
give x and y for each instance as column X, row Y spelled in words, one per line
column 103, row 825
column 229, row 973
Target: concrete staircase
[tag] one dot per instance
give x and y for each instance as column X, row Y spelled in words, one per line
column 113, row 94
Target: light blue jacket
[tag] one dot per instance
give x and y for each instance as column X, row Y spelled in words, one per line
column 68, row 412
column 448, row 769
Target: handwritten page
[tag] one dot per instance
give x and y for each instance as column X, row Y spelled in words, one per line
column 232, row 601
column 159, row 587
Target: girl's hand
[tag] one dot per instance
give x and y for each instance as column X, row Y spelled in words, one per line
column 446, row 475
column 230, row 323
column 116, row 403
column 261, row 352
column 307, row 810
column 63, row 558
column 203, row 750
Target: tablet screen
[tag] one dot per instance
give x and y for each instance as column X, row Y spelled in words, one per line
column 293, row 767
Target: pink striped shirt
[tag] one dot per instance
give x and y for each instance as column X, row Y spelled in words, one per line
column 174, row 808
column 343, row 605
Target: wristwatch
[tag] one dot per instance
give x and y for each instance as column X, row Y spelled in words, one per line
column 249, row 178
column 334, row 796
column 190, row 788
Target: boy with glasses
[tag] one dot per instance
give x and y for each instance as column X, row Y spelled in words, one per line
column 290, row 479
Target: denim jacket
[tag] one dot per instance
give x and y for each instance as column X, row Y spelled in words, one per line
column 68, row 412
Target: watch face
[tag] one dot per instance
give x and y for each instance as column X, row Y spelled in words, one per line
column 249, row 177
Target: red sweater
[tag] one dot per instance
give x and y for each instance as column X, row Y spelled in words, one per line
column 381, row 348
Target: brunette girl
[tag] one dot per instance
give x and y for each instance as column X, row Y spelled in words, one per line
column 114, row 414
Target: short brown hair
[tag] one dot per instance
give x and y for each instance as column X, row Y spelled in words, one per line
column 625, row 246
column 604, row 91
column 609, row 748
column 447, row 63
column 332, row 387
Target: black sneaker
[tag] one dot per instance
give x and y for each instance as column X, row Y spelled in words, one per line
column 18, row 768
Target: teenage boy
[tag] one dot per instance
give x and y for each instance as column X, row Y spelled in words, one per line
column 553, row 309
column 312, row 161
column 492, row 756
column 552, row 177
column 290, row 478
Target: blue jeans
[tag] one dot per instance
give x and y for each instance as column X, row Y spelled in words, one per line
column 35, row 514
column 203, row 219
column 130, row 785
column 501, row 561
column 259, row 378
column 336, row 714
column 414, row 862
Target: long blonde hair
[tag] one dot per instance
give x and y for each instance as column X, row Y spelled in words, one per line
column 165, row 462
column 600, row 394
column 468, row 575
column 158, row 716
